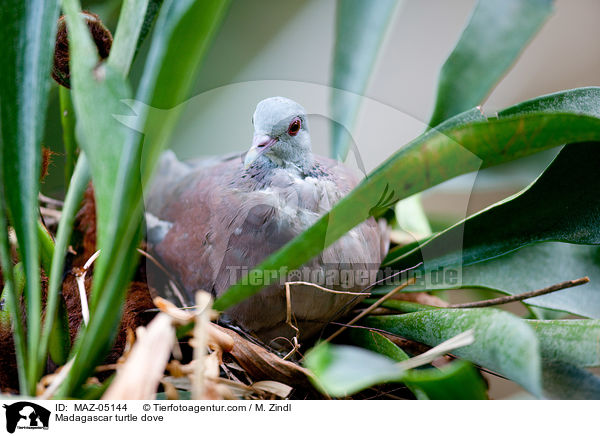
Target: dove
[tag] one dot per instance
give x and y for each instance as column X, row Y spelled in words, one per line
column 211, row 221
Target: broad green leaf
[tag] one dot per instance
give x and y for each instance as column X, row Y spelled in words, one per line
column 27, row 31
column 563, row 204
column 359, row 32
column 503, row 342
column 573, row 341
column 491, row 42
column 563, row 381
column 458, row 380
column 437, row 155
column 343, row 370
column 529, row 268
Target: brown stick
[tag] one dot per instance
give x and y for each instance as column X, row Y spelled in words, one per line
column 523, row 296
column 371, row 308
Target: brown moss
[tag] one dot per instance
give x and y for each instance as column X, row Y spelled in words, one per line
column 9, row 378
column 100, row 34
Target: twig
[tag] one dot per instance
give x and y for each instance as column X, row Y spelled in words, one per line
column 372, row 307
column 333, row 291
column 523, row 296
column 51, row 213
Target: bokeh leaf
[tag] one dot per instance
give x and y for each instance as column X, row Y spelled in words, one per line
column 359, row 33
column 342, row 370
column 493, row 38
column 503, row 342
column 183, row 26
column 430, row 159
column 27, row 32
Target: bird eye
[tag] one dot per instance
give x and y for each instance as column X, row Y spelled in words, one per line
column 294, row 127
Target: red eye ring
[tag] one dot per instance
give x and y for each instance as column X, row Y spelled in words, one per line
column 294, row 127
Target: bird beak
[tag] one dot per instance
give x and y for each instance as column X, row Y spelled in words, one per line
column 260, row 144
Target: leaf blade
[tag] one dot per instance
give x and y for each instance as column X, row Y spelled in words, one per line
column 492, row 40
column 503, row 342
column 359, row 33
column 27, row 30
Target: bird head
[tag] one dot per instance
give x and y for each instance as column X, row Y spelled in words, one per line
column 280, row 134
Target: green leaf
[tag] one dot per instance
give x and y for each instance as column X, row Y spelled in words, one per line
column 458, row 147
column 378, row 343
column 563, row 381
column 458, row 380
column 67, row 119
column 27, row 31
column 343, row 370
column 573, row 341
column 530, row 268
column 491, row 42
column 149, row 18
column 411, row 218
column 131, row 21
column 503, row 342
column 56, row 332
column 536, row 214
column 359, row 33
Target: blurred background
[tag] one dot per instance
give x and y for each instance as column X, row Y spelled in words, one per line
column 284, row 47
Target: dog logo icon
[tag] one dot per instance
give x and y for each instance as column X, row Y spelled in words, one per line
column 26, row 415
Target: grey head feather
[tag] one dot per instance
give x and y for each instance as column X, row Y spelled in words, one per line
column 273, row 117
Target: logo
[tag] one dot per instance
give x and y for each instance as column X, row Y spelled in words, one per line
column 26, row 415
